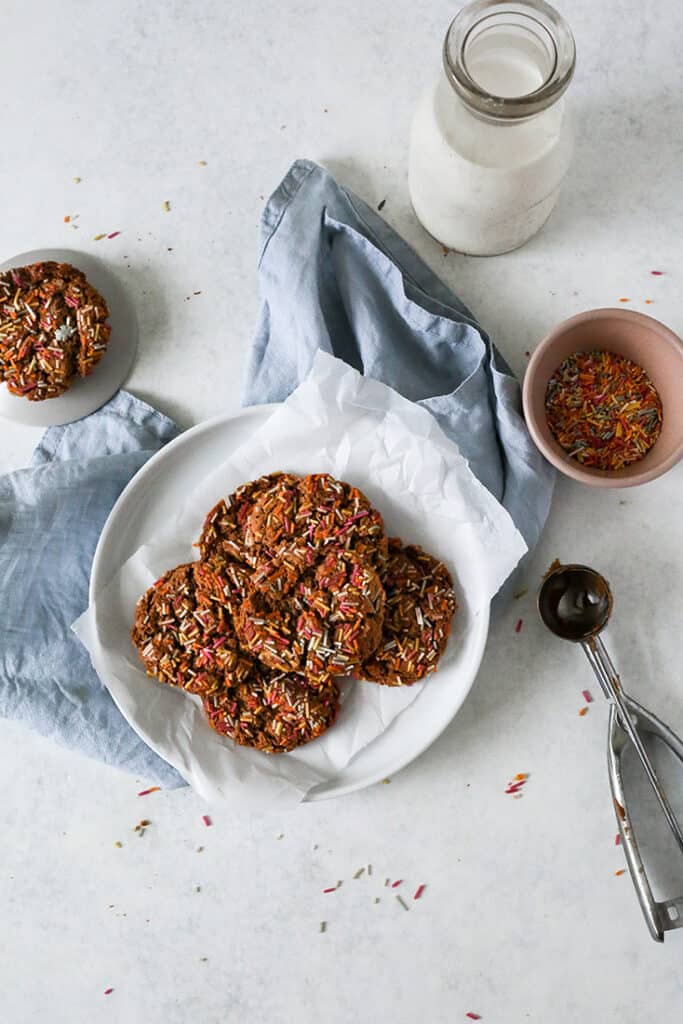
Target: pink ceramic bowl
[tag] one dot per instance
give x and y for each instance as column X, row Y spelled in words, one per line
column 638, row 337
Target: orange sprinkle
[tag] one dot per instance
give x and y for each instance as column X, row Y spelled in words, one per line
column 67, row 218
column 521, row 777
column 648, row 302
column 621, row 871
column 624, row 300
column 583, row 711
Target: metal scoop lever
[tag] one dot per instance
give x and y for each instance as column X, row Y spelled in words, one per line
column 575, row 603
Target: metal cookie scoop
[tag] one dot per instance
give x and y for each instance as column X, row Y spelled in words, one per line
column 575, row 603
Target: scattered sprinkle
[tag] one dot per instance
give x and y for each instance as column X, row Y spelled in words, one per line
column 167, row 206
column 527, row 353
column 473, row 1016
column 152, row 789
column 621, row 871
column 397, row 882
column 380, row 206
column 203, row 959
column 331, row 888
column 315, row 846
column 648, row 302
column 201, row 163
column 386, row 882
column 369, row 869
column 402, row 902
column 207, row 820
column 145, row 822
column 67, row 218
column 624, row 300
column 386, row 782
column 520, row 593
column 197, row 888
column 196, row 293
column 617, row 839
column 656, row 273
column 444, row 250
column 199, row 849
column 517, row 782
column 518, row 627
column 108, row 991
column 620, row 810
column 323, row 926
column 114, row 234
column 587, row 696
column 583, row 711
column 360, row 872
column 118, row 844
column 517, row 796
column 418, row 892
column 98, row 238
column 76, row 181
column 521, row 777
column 376, row 900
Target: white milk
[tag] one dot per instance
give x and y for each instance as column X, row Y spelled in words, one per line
column 482, row 185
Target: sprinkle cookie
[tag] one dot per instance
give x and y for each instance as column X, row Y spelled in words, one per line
column 323, row 512
column 184, row 632
column 317, row 614
column 228, row 534
column 53, row 328
column 420, row 604
column 272, row 711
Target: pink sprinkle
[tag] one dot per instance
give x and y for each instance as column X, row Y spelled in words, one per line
column 146, row 792
column 333, row 888
column 108, row 991
column 656, row 273
column 114, row 234
column 473, row 1016
column 617, row 839
column 207, row 820
column 397, row 882
column 518, row 627
column 418, row 892
column 586, row 694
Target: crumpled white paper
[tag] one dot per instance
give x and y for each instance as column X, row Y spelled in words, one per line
column 361, row 431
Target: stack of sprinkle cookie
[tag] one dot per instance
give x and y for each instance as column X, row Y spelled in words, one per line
column 54, row 327
column 297, row 585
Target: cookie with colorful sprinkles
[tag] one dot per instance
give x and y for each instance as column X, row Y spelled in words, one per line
column 228, row 534
column 184, row 632
column 314, row 612
column 272, row 711
column 420, row 605
column 54, row 327
column 322, row 511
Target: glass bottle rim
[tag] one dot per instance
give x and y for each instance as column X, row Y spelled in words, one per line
column 540, row 18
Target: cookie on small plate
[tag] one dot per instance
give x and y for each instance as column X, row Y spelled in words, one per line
column 420, row 605
column 54, row 327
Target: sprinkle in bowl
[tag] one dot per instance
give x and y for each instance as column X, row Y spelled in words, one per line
column 636, row 337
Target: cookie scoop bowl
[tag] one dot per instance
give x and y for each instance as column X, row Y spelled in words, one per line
column 637, row 337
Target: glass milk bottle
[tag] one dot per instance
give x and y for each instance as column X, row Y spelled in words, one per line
column 490, row 141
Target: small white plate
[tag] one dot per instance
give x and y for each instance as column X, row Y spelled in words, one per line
column 163, row 484
column 86, row 393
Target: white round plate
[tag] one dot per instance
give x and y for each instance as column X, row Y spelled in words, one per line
column 164, row 482
column 86, row 393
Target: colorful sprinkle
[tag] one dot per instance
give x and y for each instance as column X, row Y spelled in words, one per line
column 617, row 839
column 621, row 871
column 396, row 883
column 108, row 991
column 603, row 409
column 402, row 902
column 166, row 206
column 583, row 711
column 473, row 1016
column 418, row 892
column 587, row 696
column 518, row 627
column 207, row 820
column 656, row 273
column 323, row 926
column 98, row 238
column 114, row 234
column 152, row 789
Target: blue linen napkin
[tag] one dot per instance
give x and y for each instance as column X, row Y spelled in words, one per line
column 51, row 516
column 335, row 276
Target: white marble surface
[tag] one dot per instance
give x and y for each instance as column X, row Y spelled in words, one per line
column 523, row 918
